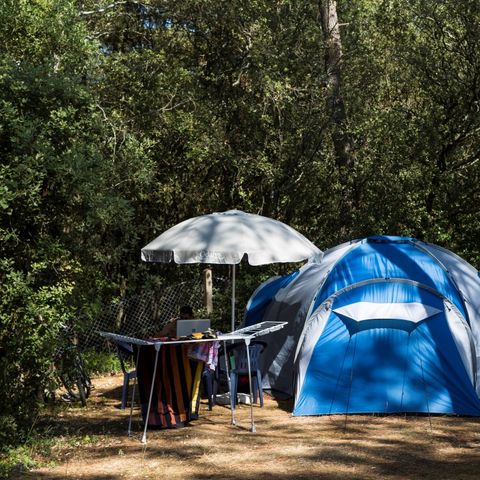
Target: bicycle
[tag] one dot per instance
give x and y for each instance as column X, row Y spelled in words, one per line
column 70, row 368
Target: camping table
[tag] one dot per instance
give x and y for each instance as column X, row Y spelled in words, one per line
column 246, row 334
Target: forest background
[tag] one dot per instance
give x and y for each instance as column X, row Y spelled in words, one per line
column 119, row 119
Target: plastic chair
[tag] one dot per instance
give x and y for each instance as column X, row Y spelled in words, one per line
column 239, row 366
column 208, row 354
column 125, row 351
column 209, row 385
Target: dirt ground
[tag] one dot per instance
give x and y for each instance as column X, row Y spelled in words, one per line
column 92, row 443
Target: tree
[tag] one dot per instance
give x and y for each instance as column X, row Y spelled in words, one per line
column 49, row 163
column 227, row 99
column 342, row 141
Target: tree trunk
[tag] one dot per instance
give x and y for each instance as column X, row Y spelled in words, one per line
column 342, row 142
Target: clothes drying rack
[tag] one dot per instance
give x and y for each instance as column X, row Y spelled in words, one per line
column 247, row 334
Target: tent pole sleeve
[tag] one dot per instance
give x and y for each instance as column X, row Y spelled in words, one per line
column 351, row 380
column 426, row 393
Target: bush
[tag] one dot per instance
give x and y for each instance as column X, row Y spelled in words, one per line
column 98, row 363
column 30, row 315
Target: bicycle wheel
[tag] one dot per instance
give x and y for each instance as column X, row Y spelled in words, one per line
column 70, row 385
column 84, row 384
column 76, row 381
column 82, row 393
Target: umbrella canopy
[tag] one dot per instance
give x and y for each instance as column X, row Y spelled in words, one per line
column 227, row 237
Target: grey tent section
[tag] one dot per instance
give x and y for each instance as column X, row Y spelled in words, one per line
column 466, row 279
column 292, row 305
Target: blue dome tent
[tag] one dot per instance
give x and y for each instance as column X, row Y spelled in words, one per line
column 381, row 325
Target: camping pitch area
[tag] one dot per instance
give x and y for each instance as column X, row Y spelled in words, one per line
column 91, row 443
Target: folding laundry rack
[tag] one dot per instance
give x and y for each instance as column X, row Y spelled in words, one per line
column 247, row 334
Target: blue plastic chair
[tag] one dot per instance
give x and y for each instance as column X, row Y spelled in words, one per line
column 209, row 385
column 239, row 366
column 125, row 351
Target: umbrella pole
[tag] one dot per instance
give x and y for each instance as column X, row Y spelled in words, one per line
column 233, row 298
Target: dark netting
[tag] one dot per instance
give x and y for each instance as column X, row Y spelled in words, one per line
column 140, row 315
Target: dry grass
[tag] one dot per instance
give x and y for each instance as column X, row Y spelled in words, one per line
column 93, row 445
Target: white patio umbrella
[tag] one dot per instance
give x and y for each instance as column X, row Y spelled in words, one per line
column 226, row 238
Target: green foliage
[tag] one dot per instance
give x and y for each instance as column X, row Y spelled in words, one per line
column 29, row 317
column 15, row 461
column 120, row 119
column 45, row 134
column 411, row 87
column 101, row 363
